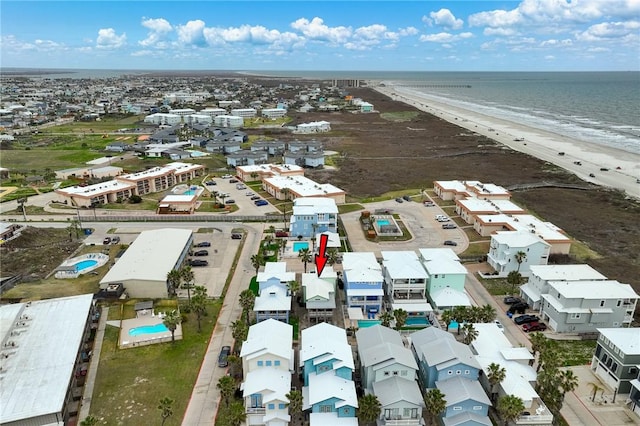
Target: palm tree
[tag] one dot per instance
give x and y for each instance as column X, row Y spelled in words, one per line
column 386, row 317
column 447, row 317
column 568, row 383
column 369, row 408
column 294, row 287
column 434, row 404
column 236, row 415
column 171, row 321
column 332, row 256
column 187, row 278
column 548, row 356
column 305, row 256
column 199, row 303
column 165, row 408
column 173, row 279
column 400, row 316
column 495, row 376
column 227, row 386
column 257, row 260
column 510, row 408
column 89, row 421
column 470, row 333
column 239, row 331
column 474, row 314
column 295, row 402
column 488, row 313
column 538, row 341
column 520, row 257
column 247, row 302
column 515, row 279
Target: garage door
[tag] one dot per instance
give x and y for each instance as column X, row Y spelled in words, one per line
column 603, row 373
column 553, row 324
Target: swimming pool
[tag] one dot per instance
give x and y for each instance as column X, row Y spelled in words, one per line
column 299, row 245
column 368, row 323
column 148, row 329
column 189, row 192
column 383, row 222
column 417, row 321
column 84, row 264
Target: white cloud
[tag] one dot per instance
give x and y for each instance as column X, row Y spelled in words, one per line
column 500, row 32
column 317, row 30
column 610, row 30
column 108, row 39
column 445, row 37
column 556, row 43
column 495, row 18
column 191, row 33
column 444, row 18
column 158, row 28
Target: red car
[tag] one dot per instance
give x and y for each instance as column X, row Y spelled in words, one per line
column 534, row 326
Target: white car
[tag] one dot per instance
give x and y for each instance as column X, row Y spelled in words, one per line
column 226, row 176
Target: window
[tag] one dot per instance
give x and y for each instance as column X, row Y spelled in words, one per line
column 276, row 363
column 457, row 408
column 256, row 400
column 458, row 372
column 386, row 373
column 619, row 302
column 325, row 409
column 387, row 414
column 467, row 372
column 477, row 407
column 268, row 363
column 271, row 406
column 450, row 372
column 602, row 303
column 575, row 316
column 614, row 367
column 395, row 373
column 260, row 363
column 282, row 406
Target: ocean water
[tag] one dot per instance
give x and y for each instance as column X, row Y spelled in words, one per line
column 597, row 107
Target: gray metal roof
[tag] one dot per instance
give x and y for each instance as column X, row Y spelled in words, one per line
column 378, row 344
column 458, row 389
column 396, row 389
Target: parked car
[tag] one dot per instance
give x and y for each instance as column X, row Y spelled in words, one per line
column 226, row 176
column 198, row 262
column 249, row 194
column 203, row 244
column 592, row 175
column 406, row 198
column 519, row 307
column 223, row 358
column 107, row 240
column 210, row 182
column 499, row 325
column 260, row 203
column 449, row 226
column 281, row 234
column 233, row 180
column 523, row 319
column 604, row 169
column 399, row 200
column 534, row 326
column 255, row 197
column 201, row 253
column 115, row 240
column 230, row 201
column 510, row 300
column 236, row 236
column 450, row 243
column 429, row 204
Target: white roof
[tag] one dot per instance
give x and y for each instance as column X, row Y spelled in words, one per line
column 178, row 198
column 332, row 242
column 362, row 267
column 497, row 206
column 276, row 270
column 626, row 339
column 95, row 189
column 273, row 384
column 450, row 297
column 531, row 291
column 355, row 313
column 438, row 254
column 272, row 298
column 164, row 246
column 609, row 289
column 37, row 372
column 303, row 186
column 325, row 341
column 314, row 205
column 566, row 272
column 412, row 307
column 270, row 336
column 316, row 287
column 527, row 223
column 403, row 264
column 327, row 386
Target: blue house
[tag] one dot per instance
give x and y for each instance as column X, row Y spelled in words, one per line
column 313, row 215
column 465, row 398
column 440, row 357
column 363, row 279
column 328, row 393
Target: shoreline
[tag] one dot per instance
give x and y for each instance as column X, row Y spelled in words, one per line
column 560, row 150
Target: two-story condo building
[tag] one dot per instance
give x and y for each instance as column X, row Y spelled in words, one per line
column 363, row 279
column 617, row 358
column 540, row 276
column 312, row 215
column 558, row 241
column 504, row 249
column 456, row 190
column 584, row 306
column 292, row 187
column 267, row 365
column 328, row 392
column 388, row 370
column 470, row 208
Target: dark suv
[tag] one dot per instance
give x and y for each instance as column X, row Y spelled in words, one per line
column 519, row 307
column 201, row 253
column 223, row 358
column 523, row 319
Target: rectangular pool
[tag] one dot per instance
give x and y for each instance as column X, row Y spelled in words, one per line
column 299, row 245
column 368, row 323
column 383, row 222
column 417, row 321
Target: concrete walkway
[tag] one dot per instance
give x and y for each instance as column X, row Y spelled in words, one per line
column 90, row 382
column 205, row 398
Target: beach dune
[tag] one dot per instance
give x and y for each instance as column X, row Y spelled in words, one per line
column 591, row 162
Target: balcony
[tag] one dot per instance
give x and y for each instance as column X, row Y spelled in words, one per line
column 255, row 410
column 539, row 414
column 399, row 421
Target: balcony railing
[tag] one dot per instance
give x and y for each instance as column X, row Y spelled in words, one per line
column 255, row 410
column 418, row 421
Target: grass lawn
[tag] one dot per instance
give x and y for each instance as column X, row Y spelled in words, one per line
column 399, row 116
column 348, row 208
column 496, row 286
column 130, row 382
column 576, row 352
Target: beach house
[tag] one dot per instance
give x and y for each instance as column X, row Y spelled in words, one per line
column 405, row 283
column 312, row 215
column 445, row 278
column 319, row 294
column 363, row 280
column 517, row 251
column 616, row 360
column 274, row 298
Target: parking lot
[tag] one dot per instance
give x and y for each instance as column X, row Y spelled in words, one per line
column 241, row 197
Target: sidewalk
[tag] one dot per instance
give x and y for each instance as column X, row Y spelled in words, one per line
column 93, row 366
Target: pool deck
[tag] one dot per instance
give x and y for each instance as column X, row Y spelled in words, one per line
column 128, row 341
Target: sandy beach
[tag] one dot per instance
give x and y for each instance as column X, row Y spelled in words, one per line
column 582, row 158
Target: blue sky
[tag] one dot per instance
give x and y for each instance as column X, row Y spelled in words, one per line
column 527, row 35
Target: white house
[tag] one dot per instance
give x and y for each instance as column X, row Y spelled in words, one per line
column 319, row 293
column 505, row 247
column 446, row 278
column 405, row 281
column 363, row 279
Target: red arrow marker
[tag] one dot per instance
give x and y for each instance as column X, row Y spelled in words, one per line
column 321, row 258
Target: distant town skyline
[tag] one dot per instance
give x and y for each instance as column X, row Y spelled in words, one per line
column 527, row 35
